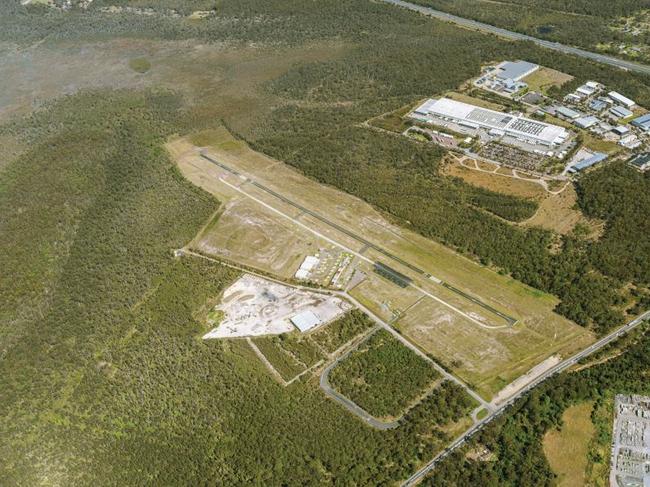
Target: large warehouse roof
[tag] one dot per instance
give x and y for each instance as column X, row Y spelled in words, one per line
column 471, row 115
column 305, row 321
column 515, row 70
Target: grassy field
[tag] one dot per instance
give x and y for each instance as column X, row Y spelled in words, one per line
column 545, row 78
column 566, row 450
column 494, row 182
column 374, row 376
column 485, row 358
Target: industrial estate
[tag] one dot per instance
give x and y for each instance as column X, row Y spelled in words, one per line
column 631, row 442
column 537, row 133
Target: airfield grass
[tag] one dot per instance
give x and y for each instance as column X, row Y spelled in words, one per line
column 383, row 376
column 383, row 297
column 488, row 359
column 499, row 291
column 539, row 334
column 248, row 233
column 567, row 449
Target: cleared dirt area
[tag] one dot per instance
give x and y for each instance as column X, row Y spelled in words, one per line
column 251, row 235
column 556, row 212
column 566, row 450
column 494, row 182
column 253, row 306
column 489, row 359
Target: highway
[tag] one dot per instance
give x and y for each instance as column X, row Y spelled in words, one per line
column 516, row 36
column 420, row 474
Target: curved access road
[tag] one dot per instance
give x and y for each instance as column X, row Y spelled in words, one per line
column 458, row 442
column 508, row 34
column 347, row 403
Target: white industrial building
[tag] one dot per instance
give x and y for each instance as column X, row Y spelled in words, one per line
column 305, row 321
column 307, row 266
column 620, row 99
column 515, row 71
column 474, row 117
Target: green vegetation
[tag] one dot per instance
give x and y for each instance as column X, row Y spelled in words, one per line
column 392, row 60
column 140, row 64
column 383, row 376
column 585, row 23
column 516, row 438
column 336, row 334
column 103, row 376
column 280, row 359
column 302, row 347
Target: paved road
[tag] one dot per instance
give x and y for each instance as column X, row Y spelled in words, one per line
column 366, row 243
column 472, row 24
column 347, row 403
column 419, row 352
column 420, row 474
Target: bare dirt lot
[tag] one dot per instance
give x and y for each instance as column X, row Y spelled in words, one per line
column 253, row 306
column 256, row 237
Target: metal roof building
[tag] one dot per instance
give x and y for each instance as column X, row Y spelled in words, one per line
column 642, row 122
column 473, row 116
column 621, row 112
column 640, row 161
column 515, row 70
column 586, row 122
column 305, row 321
column 568, row 112
column 623, row 100
column 590, row 161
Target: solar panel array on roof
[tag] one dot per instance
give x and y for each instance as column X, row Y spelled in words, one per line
column 474, row 117
column 527, row 126
column 489, row 117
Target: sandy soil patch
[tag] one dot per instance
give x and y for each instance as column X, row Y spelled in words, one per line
column 522, row 381
column 253, row 306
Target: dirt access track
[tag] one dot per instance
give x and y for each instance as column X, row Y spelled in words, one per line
column 538, row 333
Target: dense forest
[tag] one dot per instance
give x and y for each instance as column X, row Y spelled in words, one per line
column 104, row 378
column 583, row 23
column 383, row 376
column 516, row 438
